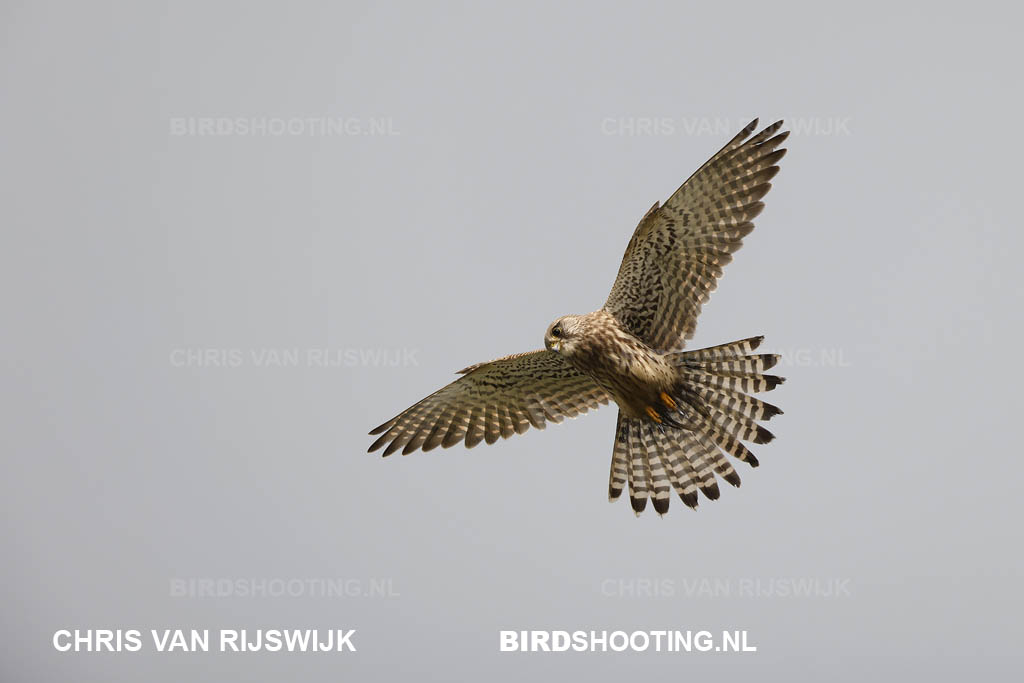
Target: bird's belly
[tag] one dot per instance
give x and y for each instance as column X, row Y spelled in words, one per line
column 629, row 405
column 632, row 388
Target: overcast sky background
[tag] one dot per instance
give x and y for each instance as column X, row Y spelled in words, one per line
column 490, row 166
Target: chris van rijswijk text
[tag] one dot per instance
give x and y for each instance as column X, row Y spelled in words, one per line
column 198, row 640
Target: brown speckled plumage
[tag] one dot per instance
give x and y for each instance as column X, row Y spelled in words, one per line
column 680, row 411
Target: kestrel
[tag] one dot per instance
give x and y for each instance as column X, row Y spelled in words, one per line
column 679, row 411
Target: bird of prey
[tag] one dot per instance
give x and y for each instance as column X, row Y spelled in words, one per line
column 680, row 411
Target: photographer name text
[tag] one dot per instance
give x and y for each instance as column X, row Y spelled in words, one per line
column 199, row 640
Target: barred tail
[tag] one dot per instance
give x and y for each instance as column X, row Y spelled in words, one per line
column 715, row 413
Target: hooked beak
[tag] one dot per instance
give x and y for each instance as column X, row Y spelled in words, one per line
column 554, row 345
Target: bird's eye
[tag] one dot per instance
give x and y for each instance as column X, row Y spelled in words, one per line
column 556, row 331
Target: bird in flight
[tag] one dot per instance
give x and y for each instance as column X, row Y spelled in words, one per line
column 680, row 411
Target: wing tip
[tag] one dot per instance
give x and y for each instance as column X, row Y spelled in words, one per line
column 376, row 445
column 392, row 447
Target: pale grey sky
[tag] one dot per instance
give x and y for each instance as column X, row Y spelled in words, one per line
column 237, row 236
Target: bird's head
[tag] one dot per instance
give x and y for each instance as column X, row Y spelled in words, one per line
column 564, row 334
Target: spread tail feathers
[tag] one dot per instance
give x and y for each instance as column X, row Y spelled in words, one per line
column 715, row 414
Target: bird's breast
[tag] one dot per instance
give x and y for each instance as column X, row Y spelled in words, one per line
column 627, row 369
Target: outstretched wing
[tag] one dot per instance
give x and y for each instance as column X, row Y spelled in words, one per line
column 676, row 255
column 499, row 398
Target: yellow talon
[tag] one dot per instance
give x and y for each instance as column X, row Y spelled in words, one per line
column 654, row 414
column 667, row 400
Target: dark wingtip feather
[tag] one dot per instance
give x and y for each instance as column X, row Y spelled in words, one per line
column 732, row 478
column 771, row 360
column 381, row 428
column 741, row 230
column 762, row 137
column 711, row 491
column 377, row 444
column 760, row 191
column 639, row 504
column 773, row 381
column 661, row 505
column 392, row 447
